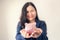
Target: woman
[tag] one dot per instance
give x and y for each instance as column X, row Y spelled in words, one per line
column 29, row 26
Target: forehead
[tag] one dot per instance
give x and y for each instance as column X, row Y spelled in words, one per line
column 30, row 8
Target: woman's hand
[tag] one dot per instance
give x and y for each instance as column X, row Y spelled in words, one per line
column 36, row 33
column 24, row 33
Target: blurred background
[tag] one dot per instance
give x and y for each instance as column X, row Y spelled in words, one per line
column 10, row 10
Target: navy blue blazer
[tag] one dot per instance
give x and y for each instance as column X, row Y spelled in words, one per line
column 39, row 24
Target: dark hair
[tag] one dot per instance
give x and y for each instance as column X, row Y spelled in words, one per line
column 23, row 18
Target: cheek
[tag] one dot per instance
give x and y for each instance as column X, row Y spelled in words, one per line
column 34, row 14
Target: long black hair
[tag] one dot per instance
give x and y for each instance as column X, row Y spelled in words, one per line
column 23, row 18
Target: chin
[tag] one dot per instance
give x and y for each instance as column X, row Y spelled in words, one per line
column 30, row 19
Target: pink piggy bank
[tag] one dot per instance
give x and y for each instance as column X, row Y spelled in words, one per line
column 29, row 27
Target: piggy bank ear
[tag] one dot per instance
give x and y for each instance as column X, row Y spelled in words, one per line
column 25, row 23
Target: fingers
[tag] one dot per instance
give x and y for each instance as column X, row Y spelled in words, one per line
column 33, row 34
column 39, row 30
column 36, row 33
column 24, row 33
column 21, row 31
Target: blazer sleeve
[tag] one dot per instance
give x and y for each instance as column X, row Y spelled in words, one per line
column 18, row 34
column 44, row 28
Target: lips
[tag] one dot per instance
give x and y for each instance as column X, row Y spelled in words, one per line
column 29, row 16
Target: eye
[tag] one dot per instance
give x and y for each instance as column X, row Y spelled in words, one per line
column 26, row 11
column 32, row 10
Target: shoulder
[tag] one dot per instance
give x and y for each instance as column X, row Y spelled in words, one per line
column 41, row 22
column 19, row 24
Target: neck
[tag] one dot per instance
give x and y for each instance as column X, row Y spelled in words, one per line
column 32, row 21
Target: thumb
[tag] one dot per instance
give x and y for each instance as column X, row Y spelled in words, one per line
column 33, row 33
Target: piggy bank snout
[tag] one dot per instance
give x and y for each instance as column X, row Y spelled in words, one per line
column 29, row 30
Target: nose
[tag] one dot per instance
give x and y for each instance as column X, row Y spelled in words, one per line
column 29, row 13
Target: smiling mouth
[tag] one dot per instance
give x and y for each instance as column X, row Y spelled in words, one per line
column 29, row 16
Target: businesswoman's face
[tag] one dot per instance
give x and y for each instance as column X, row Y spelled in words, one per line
column 31, row 13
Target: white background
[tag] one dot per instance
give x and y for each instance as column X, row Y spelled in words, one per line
column 10, row 10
